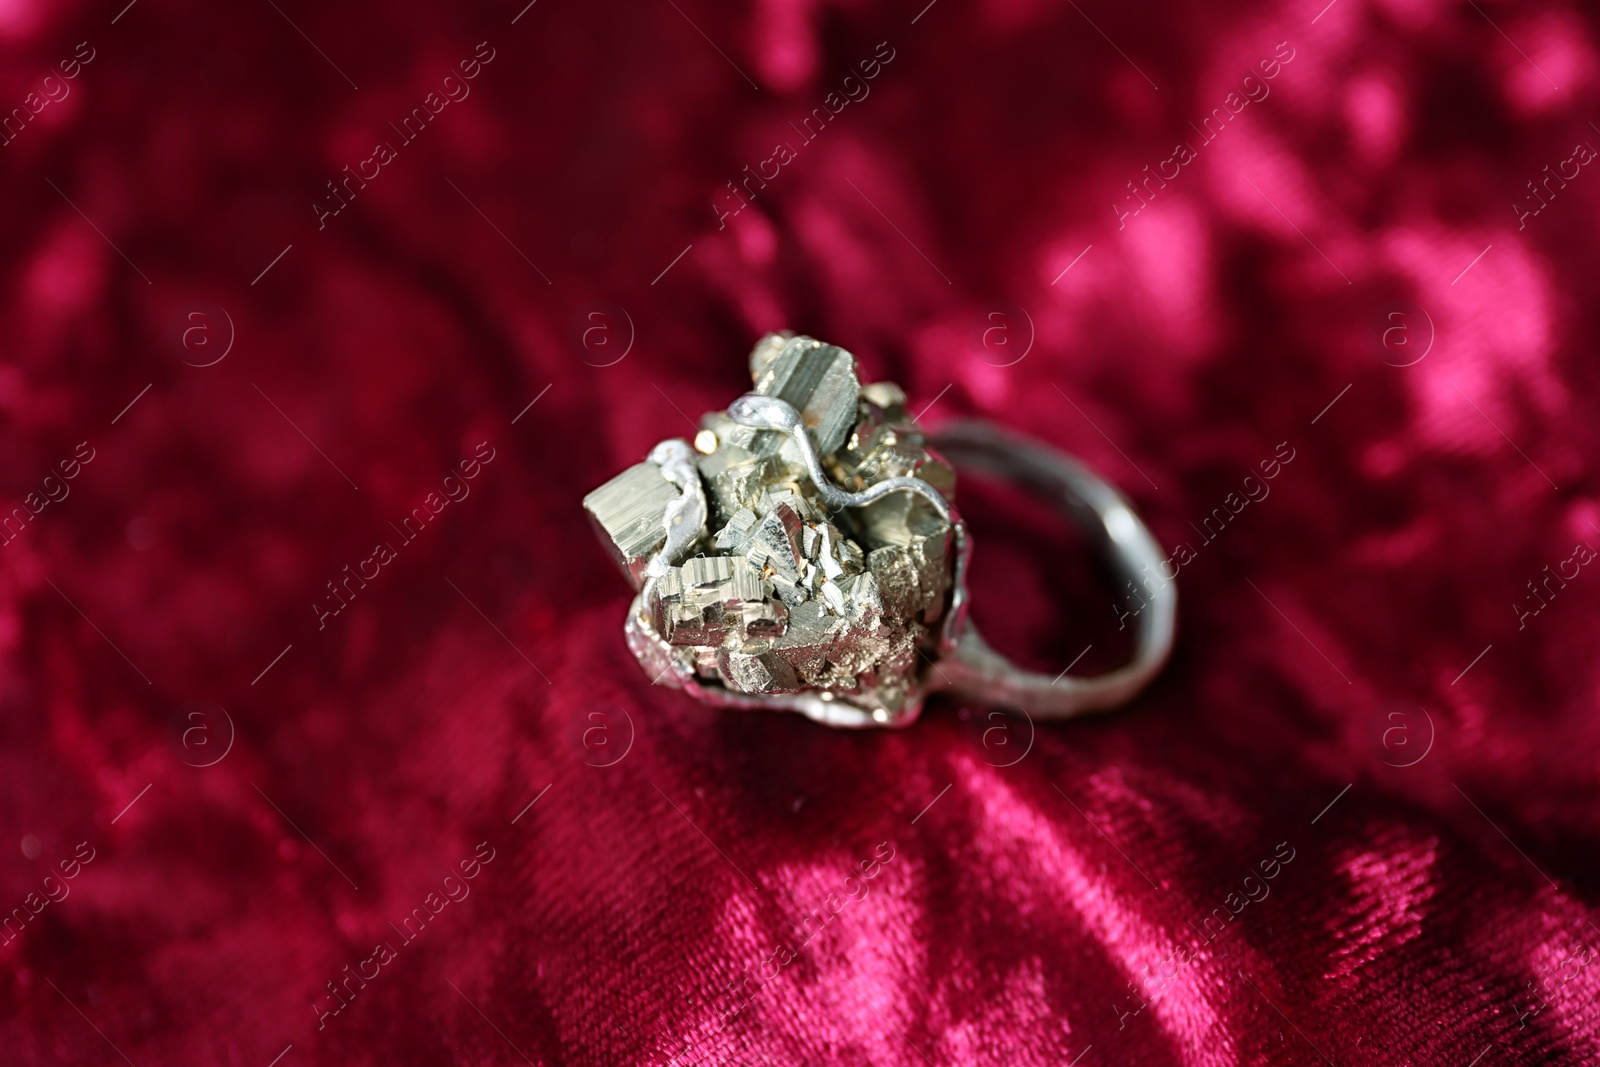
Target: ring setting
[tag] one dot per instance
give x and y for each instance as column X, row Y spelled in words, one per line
column 804, row 553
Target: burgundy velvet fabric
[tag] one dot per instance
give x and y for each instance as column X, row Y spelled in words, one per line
column 313, row 674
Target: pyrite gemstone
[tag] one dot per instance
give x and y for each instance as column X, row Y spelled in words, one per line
column 629, row 511
column 820, row 381
column 779, row 593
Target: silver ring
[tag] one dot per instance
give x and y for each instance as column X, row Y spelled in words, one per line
column 805, row 553
column 974, row 670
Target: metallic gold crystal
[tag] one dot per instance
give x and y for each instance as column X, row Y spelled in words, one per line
column 782, row 593
column 629, row 511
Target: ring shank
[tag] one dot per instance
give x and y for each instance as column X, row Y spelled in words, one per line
column 968, row 666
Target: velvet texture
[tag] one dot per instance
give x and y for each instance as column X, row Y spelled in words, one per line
column 320, row 738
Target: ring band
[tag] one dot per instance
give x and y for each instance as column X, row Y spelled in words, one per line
column 971, row 668
column 805, row 553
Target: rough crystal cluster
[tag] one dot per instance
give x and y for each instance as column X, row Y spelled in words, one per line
column 776, row 594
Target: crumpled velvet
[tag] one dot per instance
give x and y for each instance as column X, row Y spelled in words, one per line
column 321, row 744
